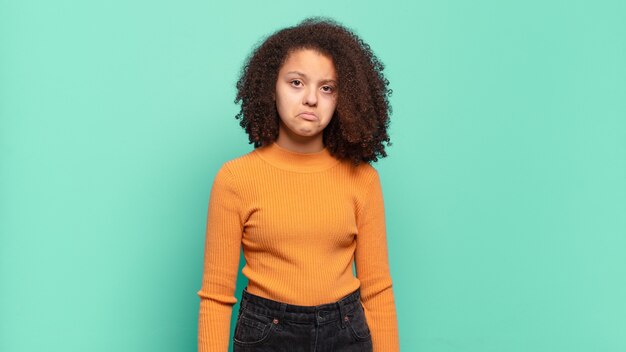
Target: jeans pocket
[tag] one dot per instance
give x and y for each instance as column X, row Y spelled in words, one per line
column 358, row 323
column 252, row 328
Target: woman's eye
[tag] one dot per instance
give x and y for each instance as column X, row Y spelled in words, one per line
column 296, row 82
column 328, row 89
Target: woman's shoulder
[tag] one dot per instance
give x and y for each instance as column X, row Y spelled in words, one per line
column 244, row 166
column 362, row 171
column 362, row 178
column 240, row 162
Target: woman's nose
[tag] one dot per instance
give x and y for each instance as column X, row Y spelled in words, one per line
column 310, row 97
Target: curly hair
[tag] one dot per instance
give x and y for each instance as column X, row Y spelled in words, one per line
column 358, row 128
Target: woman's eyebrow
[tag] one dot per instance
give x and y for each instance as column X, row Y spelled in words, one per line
column 305, row 76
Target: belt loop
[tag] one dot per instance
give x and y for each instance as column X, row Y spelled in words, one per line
column 283, row 308
column 244, row 300
column 342, row 312
column 279, row 322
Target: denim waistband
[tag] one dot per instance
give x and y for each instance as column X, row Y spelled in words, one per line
column 320, row 314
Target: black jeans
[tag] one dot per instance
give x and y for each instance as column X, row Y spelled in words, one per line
column 266, row 325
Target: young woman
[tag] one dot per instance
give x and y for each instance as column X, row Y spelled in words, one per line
column 305, row 203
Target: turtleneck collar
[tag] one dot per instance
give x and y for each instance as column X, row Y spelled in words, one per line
column 295, row 161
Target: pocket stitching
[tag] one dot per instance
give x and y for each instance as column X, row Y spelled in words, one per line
column 352, row 314
column 359, row 337
column 252, row 323
column 263, row 337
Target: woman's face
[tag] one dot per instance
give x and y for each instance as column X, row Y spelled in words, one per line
column 306, row 96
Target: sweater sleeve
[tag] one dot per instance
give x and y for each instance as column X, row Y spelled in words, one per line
column 221, row 263
column 372, row 268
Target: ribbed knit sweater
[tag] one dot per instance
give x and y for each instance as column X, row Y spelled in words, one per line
column 302, row 219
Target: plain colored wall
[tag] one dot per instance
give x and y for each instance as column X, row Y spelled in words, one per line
column 505, row 187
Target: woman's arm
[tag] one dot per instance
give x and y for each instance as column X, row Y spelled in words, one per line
column 372, row 268
column 221, row 263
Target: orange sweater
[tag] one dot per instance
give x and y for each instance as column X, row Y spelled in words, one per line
column 302, row 220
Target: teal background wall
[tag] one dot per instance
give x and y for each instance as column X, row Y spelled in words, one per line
column 505, row 187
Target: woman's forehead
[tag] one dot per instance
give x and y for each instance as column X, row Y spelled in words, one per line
column 309, row 64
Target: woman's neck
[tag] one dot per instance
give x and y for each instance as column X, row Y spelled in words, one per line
column 295, row 161
column 299, row 144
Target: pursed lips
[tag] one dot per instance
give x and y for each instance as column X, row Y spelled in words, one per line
column 307, row 115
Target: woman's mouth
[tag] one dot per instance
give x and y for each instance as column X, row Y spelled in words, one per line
column 308, row 116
